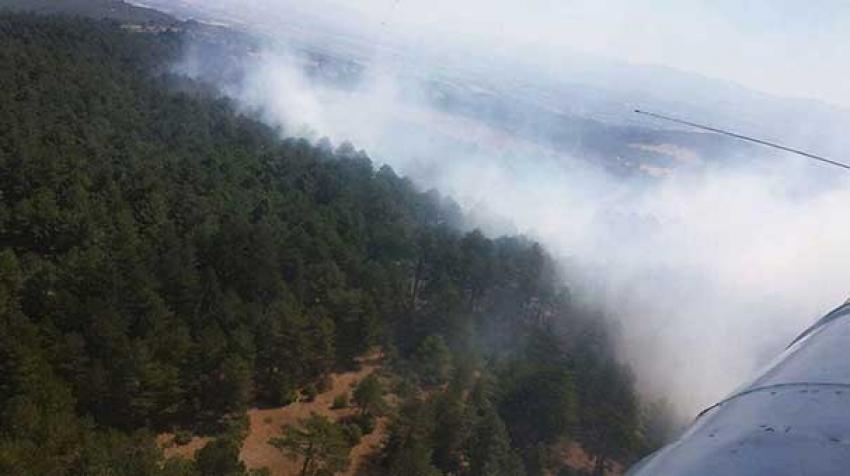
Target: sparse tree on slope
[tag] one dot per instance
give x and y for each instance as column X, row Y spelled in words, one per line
column 369, row 396
column 320, row 442
column 490, row 449
column 220, row 458
column 433, row 360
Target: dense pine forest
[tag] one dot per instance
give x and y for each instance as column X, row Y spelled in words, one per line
column 167, row 262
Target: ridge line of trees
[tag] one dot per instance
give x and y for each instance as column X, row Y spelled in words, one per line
column 165, row 262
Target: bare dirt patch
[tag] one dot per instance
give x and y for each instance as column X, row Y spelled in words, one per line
column 682, row 154
column 573, row 455
column 267, row 423
column 170, row 449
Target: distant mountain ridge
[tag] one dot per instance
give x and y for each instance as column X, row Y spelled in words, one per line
column 97, row 9
column 579, row 85
column 583, row 110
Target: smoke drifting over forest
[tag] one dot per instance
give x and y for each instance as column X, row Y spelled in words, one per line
column 705, row 270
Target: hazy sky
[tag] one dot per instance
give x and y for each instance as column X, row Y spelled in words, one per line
column 787, row 47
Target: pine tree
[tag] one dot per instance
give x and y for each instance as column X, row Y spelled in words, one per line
column 452, row 431
column 369, row 396
column 220, row 457
column 490, row 451
column 433, row 360
column 320, row 443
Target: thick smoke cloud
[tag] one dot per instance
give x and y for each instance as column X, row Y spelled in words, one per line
column 705, row 271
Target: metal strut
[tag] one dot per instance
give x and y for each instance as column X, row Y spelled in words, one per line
column 746, row 138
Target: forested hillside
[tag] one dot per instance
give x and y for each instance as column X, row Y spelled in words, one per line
column 117, row 10
column 166, row 262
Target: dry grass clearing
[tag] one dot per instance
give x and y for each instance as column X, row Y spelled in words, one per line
column 267, row 424
column 170, row 449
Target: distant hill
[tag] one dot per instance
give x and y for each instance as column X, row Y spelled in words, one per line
column 97, row 9
column 581, row 105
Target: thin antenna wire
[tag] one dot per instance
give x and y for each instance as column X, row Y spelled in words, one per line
column 746, row 138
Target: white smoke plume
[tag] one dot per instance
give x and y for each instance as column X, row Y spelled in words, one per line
column 706, row 271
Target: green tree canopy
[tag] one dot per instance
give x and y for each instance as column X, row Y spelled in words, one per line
column 369, row 395
column 167, row 260
column 220, row 457
column 433, row 360
column 491, row 453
